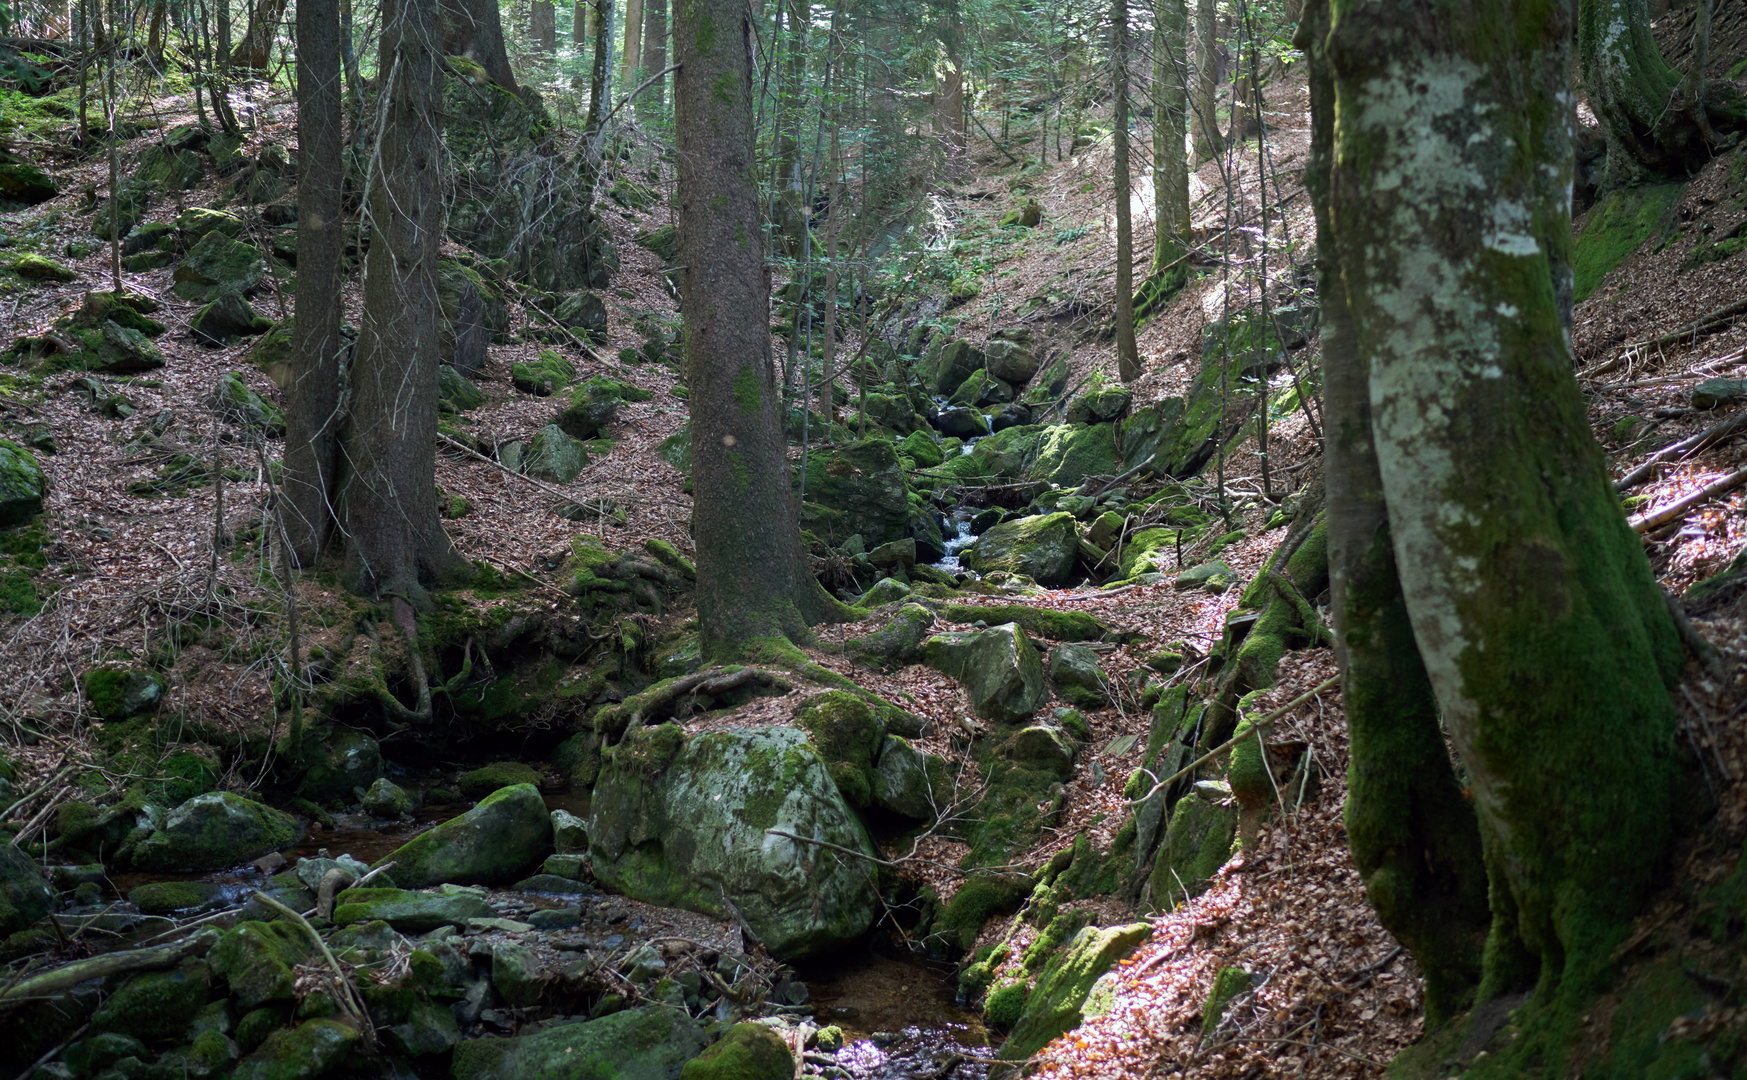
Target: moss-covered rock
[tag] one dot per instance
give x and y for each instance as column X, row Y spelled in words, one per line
column 170, row 897
column 233, row 399
column 582, row 310
column 1069, row 453
column 196, row 221
column 1077, row 676
column 157, row 1006
column 923, row 447
column 909, row 782
column 649, row 1043
column 999, row 666
column 225, row 319
column 22, row 484
column 1099, row 403
column 408, row 912
column 1046, row 747
column 1626, row 218
column 848, row 735
column 543, row 376
column 864, row 482
column 312, row 1049
column 499, row 774
column 218, row 265
column 385, row 798
column 500, row 840
column 1228, row 984
column 747, row 1052
column 37, row 268
column 22, row 182
column 897, row 643
column 339, row 760
column 1197, row 843
column 1038, row 622
column 1042, row 547
column 977, row 901
column 555, row 456
column 258, row 961
column 684, row 822
column 216, row 830
column 25, row 896
column 122, row 350
column 951, row 365
column 1054, row 1007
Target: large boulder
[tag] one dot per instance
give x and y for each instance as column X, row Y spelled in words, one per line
column 311, row 1049
column 1197, row 843
column 1009, row 361
column 503, row 838
column 215, row 831
column 1056, row 1003
column 555, row 456
column 1069, row 453
column 1077, row 676
column 1099, row 404
column 749, row 1051
column 865, row 483
column 218, row 265
column 999, row 666
column 953, row 364
column 1041, row 547
column 685, row 823
column 649, row 1043
column 910, row 783
column 344, row 759
column 226, row 318
column 473, row 314
column 24, row 183
column 21, row 484
column 409, row 912
column 25, row 896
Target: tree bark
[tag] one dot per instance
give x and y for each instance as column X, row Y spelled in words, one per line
column 1204, row 108
column 600, row 75
column 474, row 29
column 753, row 585
column 790, row 184
column 949, row 89
column 633, row 54
column 1127, row 353
column 1170, row 99
column 255, row 51
column 543, row 26
column 1415, row 840
column 395, row 543
column 1544, row 635
column 579, row 23
column 313, row 393
column 654, row 54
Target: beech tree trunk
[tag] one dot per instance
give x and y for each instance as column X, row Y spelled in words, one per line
column 1542, row 632
column 754, row 588
column 1127, row 354
column 395, row 543
column 1204, row 107
column 311, row 477
column 633, row 54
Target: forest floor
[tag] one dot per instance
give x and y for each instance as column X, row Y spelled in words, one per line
column 1333, row 996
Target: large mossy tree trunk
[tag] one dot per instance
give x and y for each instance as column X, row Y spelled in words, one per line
column 753, row 584
column 312, row 438
column 474, row 29
column 1655, row 125
column 1543, row 633
column 395, row 543
column 1414, row 838
column 1127, row 354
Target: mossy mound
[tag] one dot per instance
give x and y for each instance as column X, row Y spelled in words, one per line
column 746, row 1052
column 1054, row 1007
column 499, row 774
column 1625, row 220
column 22, row 484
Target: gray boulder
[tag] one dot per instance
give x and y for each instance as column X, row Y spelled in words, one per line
column 214, row 831
column 385, row 798
column 955, row 362
column 1077, row 677
column 345, row 759
column 1042, row 547
column 910, row 783
column 865, row 483
column 24, row 896
column 999, row 666
column 685, row 822
column 225, row 319
column 1009, row 362
column 649, row 1043
column 218, row 265
column 501, row 839
column 553, row 455
column 583, row 310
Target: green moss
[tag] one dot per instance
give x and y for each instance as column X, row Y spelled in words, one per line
column 498, row 774
column 1006, row 1004
column 1626, row 218
column 648, row 750
column 748, row 391
column 1228, row 984
column 747, row 1052
column 976, row 902
column 157, row 1005
column 1037, row 622
column 1043, row 948
column 1055, row 1004
column 104, row 689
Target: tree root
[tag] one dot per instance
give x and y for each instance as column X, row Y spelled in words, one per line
column 677, row 698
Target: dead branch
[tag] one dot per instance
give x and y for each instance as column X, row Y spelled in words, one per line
column 1649, row 520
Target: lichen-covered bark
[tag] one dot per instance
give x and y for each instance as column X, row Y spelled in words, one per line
column 1541, row 628
column 394, row 540
column 752, row 579
column 1414, row 838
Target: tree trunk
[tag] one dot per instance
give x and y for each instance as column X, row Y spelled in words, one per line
column 1170, row 270
column 1637, row 96
column 473, row 28
column 579, row 23
column 633, row 54
column 600, row 73
column 394, row 540
column 1127, row 354
column 255, row 51
column 1204, row 107
column 949, row 91
column 1414, row 839
column 312, row 418
column 654, row 54
column 1545, row 637
column 753, row 585
column 543, row 26
column 790, row 185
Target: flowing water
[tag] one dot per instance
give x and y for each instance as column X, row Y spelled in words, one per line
column 900, row 1017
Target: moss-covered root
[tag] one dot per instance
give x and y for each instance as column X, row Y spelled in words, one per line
column 682, row 696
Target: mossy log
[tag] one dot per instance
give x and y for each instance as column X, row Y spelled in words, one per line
column 104, row 966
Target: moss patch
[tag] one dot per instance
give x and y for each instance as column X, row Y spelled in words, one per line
column 1625, row 220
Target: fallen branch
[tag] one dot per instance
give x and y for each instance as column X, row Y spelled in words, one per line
column 349, row 1001
column 1692, row 443
column 1647, row 521
column 102, row 967
column 1700, row 325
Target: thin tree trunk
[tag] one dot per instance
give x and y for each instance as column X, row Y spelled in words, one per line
column 949, row 90
column 1414, row 838
column 654, row 55
column 1546, row 639
column 600, row 81
column 111, row 106
column 579, row 23
column 1204, row 106
column 790, row 185
column 633, row 54
column 834, row 211
column 753, row 586
column 543, row 26
column 312, row 420
column 1127, row 354
column 394, row 540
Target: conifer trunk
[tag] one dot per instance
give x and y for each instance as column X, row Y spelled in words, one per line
column 753, row 585
column 600, row 80
column 543, row 26
column 1127, row 354
column 1541, row 628
column 654, row 53
column 1203, row 111
column 633, row 43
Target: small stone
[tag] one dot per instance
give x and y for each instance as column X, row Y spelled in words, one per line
column 387, row 799
column 556, row 918
column 572, row 866
column 1210, row 576
column 553, row 455
column 569, row 833
column 270, row 863
column 1718, row 393
column 510, row 926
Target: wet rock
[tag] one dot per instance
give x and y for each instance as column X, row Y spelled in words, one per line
column 1055, row 1004
column 408, row 912
column 311, row 1049
column 1077, row 677
column 648, row 1043
column 684, row 822
column 157, row 1005
column 499, row 840
column 960, row 422
column 258, row 961
column 342, row 759
column 910, row 783
column 999, row 666
column 216, row 830
column 21, row 484
column 385, row 798
column 24, row 896
column 169, row 897
column 748, row 1051
column 1042, row 547
column 569, row 832
column 555, row 456
column 218, row 265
